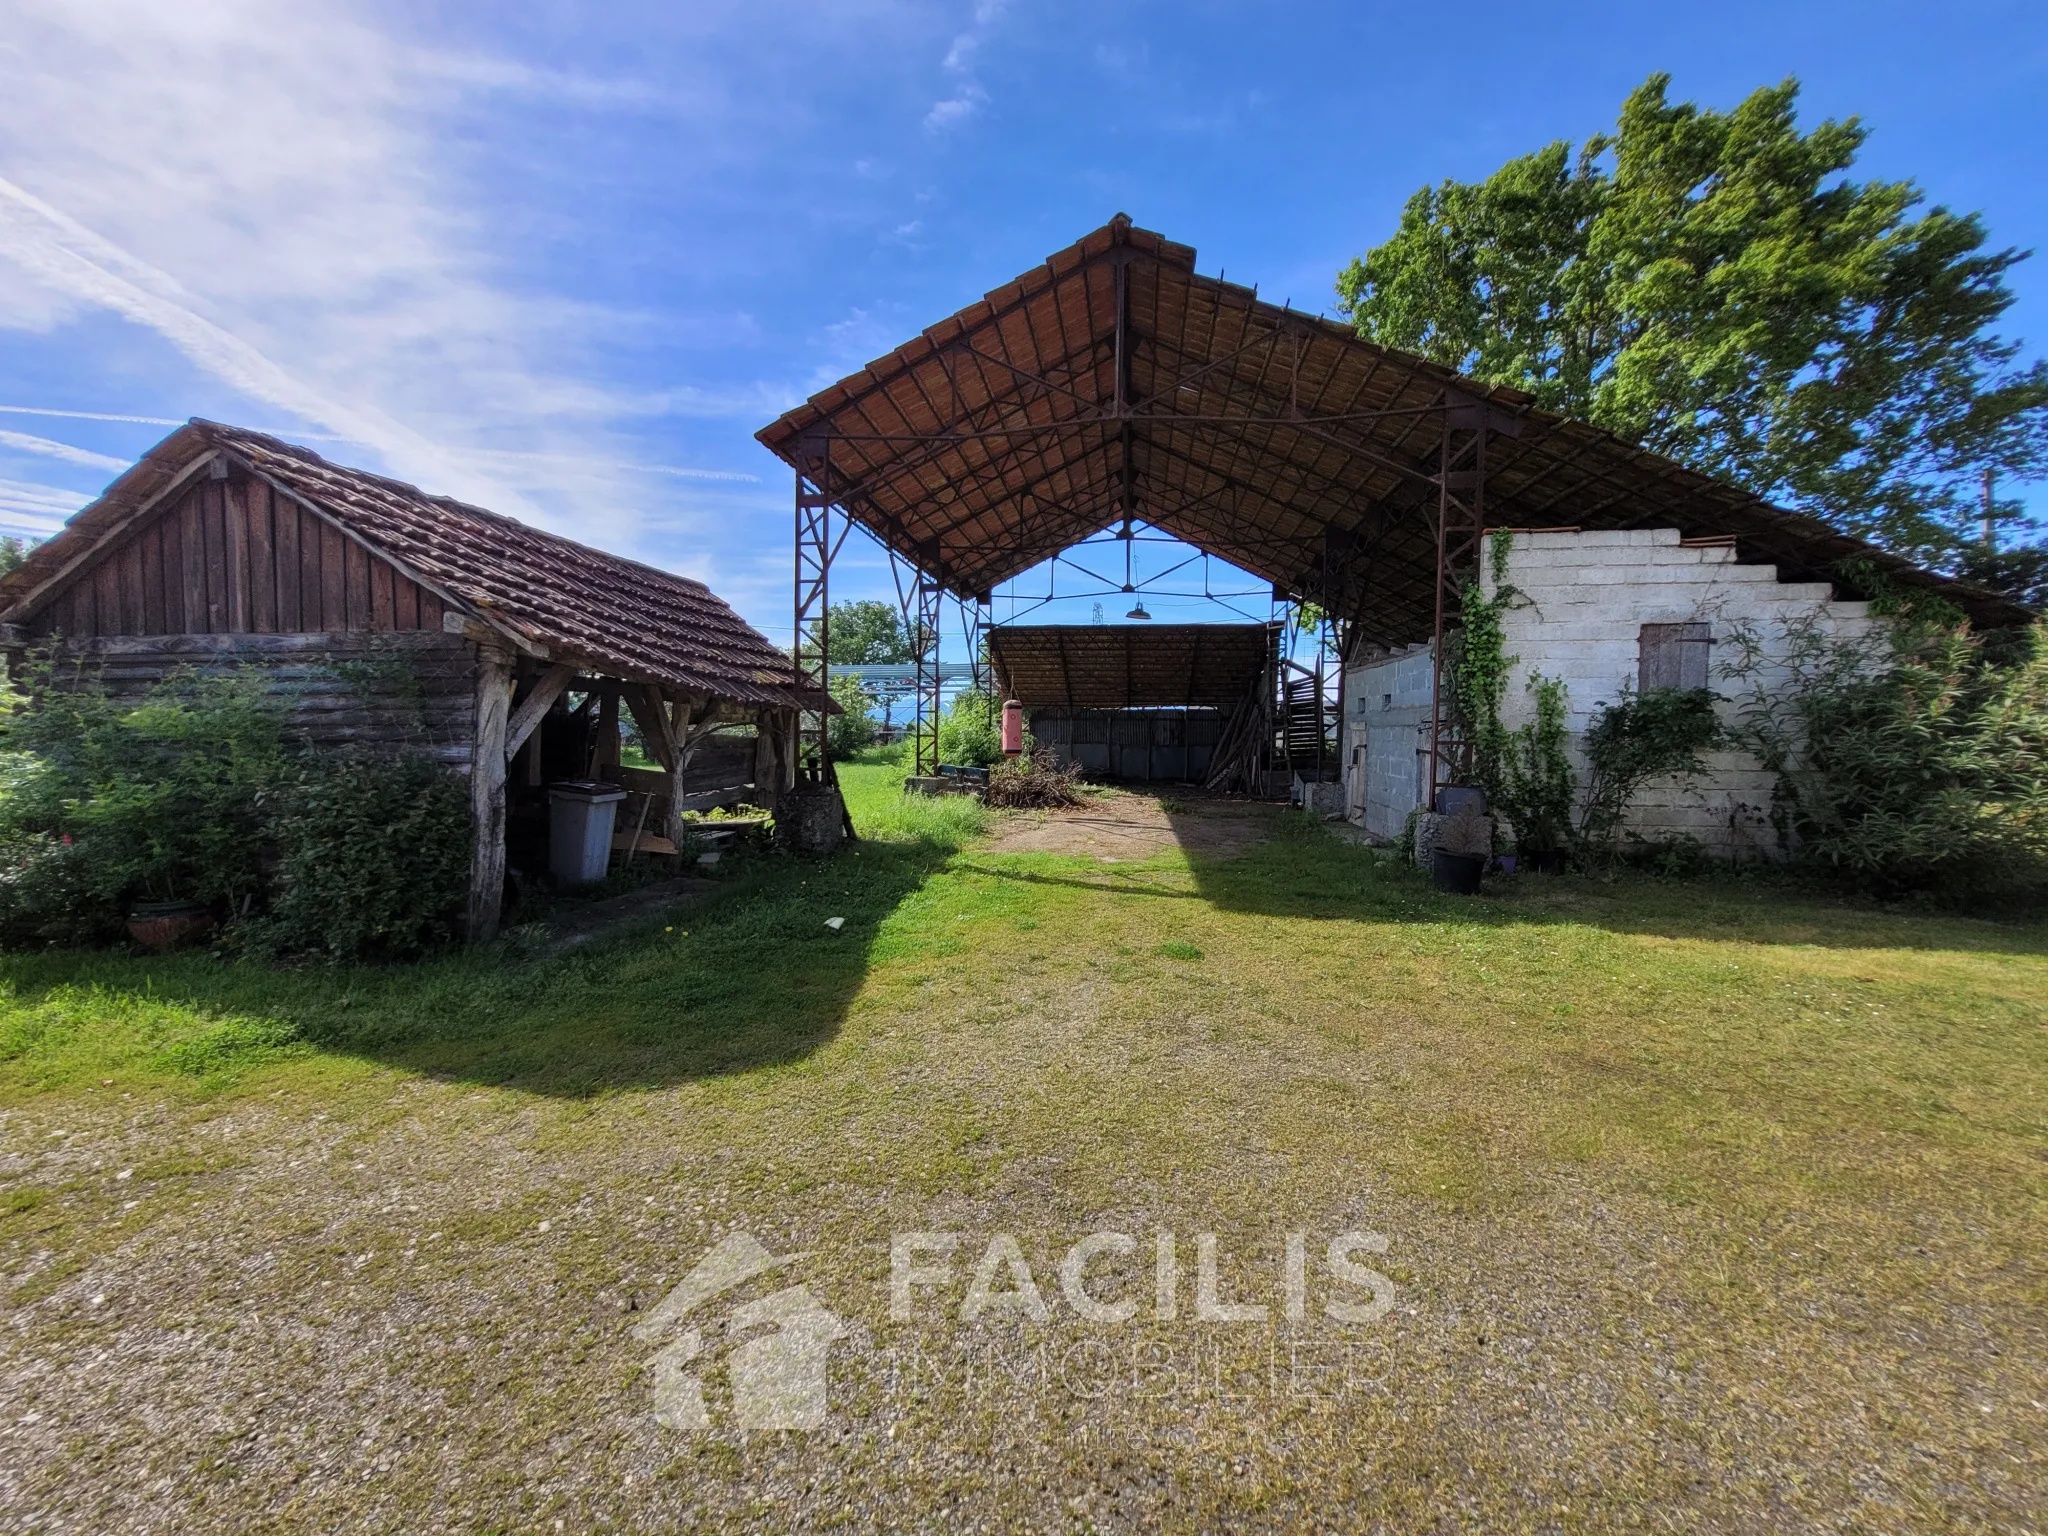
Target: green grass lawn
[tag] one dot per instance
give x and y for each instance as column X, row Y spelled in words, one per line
column 1706, row 1206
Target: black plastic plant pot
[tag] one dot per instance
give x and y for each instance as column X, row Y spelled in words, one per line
column 1458, row 873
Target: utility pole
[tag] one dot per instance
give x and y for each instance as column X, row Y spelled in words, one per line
column 1990, row 533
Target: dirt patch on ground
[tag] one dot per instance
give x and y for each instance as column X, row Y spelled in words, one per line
column 1126, row 824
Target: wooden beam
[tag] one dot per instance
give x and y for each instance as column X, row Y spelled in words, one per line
column 774, row 755
column 487, row 793
column 676, row 719
column 28, row 603
column 681, row 708
column 767, row 780
column 648, row 715
column 552, row 685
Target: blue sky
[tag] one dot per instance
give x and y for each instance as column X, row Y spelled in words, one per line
column 565, row 260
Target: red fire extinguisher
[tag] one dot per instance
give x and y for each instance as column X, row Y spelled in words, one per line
column 1013, row 728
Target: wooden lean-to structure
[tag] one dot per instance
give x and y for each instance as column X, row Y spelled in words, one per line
column 519, row 649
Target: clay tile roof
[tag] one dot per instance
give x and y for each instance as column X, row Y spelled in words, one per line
column 1277, row 440
column 581, row 605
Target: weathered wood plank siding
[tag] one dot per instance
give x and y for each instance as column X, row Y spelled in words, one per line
column 713, row 776
column 234, row 558
column 330, row 707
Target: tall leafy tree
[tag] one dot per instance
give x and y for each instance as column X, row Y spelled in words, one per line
column 868, row 631
column 1714, row 286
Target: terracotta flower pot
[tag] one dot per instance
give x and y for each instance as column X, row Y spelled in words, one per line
column 167, row 924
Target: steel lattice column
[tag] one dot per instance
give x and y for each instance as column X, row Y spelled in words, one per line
column 1460, row 542
column 813, row 607
column 924, row 635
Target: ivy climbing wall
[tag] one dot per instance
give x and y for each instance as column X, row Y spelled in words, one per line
column 1594, row 609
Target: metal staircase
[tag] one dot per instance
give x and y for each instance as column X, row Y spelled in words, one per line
column 1307, row 725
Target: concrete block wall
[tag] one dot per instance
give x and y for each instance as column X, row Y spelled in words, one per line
column 1584, row 600
column 1386, row 723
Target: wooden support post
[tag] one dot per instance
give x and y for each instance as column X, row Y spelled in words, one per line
column 667, row 733
column 604, row 749
column 766, row 784
column 678, row 717
column 487, row 792
column 775, row 755
column 648, row 715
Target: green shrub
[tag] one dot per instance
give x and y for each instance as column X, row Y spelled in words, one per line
column 971, row 730
column 373, row 860
column 1535, row 778
column 1917, row 764
column 194, row 793
column 104, row 801
column 1654, row 734
column 853, row 730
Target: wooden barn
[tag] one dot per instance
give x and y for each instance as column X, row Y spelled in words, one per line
column 517, row 653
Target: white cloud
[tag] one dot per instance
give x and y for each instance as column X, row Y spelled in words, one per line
column 967, row 96
column 62, row 255
column 350, row 221
column 23, row 442
column 280, row 201
column 546, row 84
column 849, row 344
column 675, row 471
column 44, row 410
column 956, row 109
column 36, row 510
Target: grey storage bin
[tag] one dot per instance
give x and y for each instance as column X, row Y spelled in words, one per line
column 580, row 816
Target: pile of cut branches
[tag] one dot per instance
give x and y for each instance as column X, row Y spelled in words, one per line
column 1035, row 781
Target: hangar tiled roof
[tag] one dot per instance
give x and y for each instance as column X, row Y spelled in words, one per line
column 1114, row 380
column 1130, row 666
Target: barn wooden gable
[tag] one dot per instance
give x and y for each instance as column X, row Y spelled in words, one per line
column 234, row 556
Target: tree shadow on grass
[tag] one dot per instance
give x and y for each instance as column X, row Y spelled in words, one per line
column 747, row 978
column 1305, row 871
